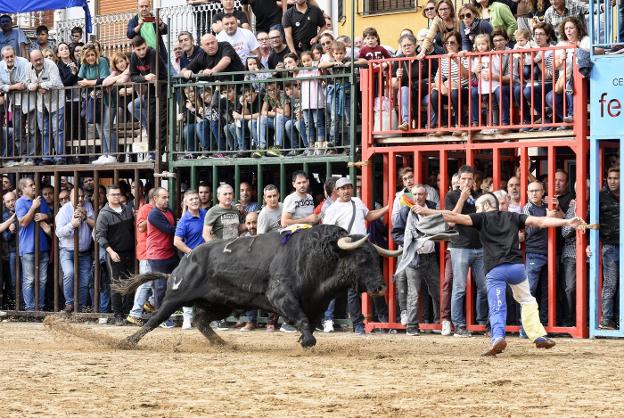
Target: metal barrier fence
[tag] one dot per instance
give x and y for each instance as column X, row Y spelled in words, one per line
column 75, row 124
column 111, row 30
column 470, row 93
column 270, row 113
column 607, row 27
column 62, row 267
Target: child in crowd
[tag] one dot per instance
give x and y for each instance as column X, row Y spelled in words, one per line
column 317, row 53
column 486, row 69
column 253, row 65
column 191, row 117
column 312, row 102
column 293, row 92
column 524, row 41
column 275, row 113
column 209, row 128
column 247, row 116
column 338, row 92
column 371, row 49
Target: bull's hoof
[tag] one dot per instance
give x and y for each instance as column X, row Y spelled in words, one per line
column 307, row 342
column 127, row 344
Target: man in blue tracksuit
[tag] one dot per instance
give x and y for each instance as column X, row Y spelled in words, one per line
column 498, row 232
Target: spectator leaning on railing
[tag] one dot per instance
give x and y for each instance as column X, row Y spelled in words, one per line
column 45, row 80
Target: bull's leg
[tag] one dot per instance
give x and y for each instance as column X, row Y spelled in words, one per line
column 202, row 322
column 287, row 305
column 167, row 308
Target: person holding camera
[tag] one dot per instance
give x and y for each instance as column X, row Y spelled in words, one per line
column 149, row 28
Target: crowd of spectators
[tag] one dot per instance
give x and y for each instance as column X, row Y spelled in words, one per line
column 134, row 222
column 281, row 103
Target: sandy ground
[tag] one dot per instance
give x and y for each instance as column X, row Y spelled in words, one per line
column 176, row 373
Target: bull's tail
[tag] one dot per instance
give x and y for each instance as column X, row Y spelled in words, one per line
column 130, row 285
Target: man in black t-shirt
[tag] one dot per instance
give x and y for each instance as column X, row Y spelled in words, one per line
column 278, row 49
column 466, row 253
column 228, row 8
column 215, row 57
column 268, row 14
column 302, row 24
column 498, row 232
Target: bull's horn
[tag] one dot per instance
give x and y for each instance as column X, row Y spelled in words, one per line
column 387, row 253
column 346, row 243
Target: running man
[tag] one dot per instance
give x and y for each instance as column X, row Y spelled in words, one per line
column 498, row 232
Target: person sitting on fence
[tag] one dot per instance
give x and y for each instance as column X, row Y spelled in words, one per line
column 242, row 40
column 149, row 27
column 209, row 127
column 228, row 8
column 227, row 106
column 338, row 93
column 268, row 14
column 572, row 34
column 148, row 67
column 45, row 80
column 451, row 79
column 487, row 70
column 312, row 103
column 247, row 116
column 15, row 37
column 295, row 126
column 252, row 66
column 98, row 108
column 275, row 113
column 190, row 118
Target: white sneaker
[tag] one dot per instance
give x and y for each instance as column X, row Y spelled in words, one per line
column 110, row 159
column 446, row 328
column 328, row 326
column 10, row 163
column 403, row 317
column 101, row 160
column 186, row 324
column 103, row 321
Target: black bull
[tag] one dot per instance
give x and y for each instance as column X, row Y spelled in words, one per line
column 296, row 280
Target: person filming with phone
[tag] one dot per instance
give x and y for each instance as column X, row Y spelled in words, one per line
column 149, row 27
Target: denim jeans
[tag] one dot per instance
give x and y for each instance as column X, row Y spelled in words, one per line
column 138, row 110
column 315, row 123
column 12, row 273
column 558, row 102
column 106, row 131
column 85, row 262
column 28, row 279
column 427, row 271
column 610, row 274
column 497, row 280
column 208, row 132
column 54, row 136
column 278, row 124
column 461, row 260
column 535, row 266
column 160, row 285
column 295, row 129
column 354, row 307
column 533, row 95
column 459, row 114
column 143, row 292
column 103, row 281
column 339, row 106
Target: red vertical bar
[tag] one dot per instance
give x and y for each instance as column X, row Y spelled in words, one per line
column 552, row 237
column 524, row 171
column 496, row 168
column 418, row 167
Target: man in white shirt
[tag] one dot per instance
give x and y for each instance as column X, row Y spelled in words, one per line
column 349, row 213
column 242, row 40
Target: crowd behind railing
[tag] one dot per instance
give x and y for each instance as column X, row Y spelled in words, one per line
column 489, row 68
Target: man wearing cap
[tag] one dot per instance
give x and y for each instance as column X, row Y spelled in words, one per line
column 350, row 213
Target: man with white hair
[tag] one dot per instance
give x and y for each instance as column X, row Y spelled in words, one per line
column 45, row 80
column 498, row 232
column 503, row 200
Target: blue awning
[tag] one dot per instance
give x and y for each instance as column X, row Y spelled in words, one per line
column 24, row 6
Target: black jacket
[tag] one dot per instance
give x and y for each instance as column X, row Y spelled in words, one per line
column 115, row 230
column 609, row 218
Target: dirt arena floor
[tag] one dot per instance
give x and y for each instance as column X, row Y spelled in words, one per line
column 176, row 373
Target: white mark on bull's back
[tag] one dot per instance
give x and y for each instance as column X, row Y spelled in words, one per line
column 176, row 282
